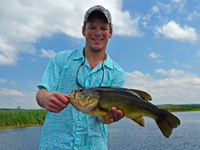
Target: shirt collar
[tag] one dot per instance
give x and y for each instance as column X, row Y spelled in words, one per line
column 79, row 54
column 108, row 62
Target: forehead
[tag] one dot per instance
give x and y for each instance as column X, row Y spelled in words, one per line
column 97, row 22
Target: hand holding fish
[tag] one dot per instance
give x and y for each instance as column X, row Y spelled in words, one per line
column 52, row 101
column 114, row 115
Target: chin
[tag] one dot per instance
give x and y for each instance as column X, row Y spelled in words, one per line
column 97, row 50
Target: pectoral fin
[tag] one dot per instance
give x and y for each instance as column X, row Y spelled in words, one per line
column 139, row 120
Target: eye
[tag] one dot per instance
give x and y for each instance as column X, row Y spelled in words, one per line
column 96, row 94
column 91, row 27
column 104, row 28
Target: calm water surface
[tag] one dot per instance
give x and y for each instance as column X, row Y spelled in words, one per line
column 123, row 135
column 127, row 135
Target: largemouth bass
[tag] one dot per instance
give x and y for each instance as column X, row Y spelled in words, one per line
column 133, row 103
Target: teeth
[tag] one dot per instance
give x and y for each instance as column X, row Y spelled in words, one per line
column 97, row 40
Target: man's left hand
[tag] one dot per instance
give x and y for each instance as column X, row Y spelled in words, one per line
column 114, row 115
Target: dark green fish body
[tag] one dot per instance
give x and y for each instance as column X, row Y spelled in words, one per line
column 133, row 103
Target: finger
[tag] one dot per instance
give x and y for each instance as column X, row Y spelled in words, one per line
column 59, row 105
column 120, row 114
column 115, row 114
column 53, row 110
column 62, row 97
column 66, row 95
column 56, row 103
column 110, row 115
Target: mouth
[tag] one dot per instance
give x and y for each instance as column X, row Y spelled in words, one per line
column 97, row 40
column 71, row 98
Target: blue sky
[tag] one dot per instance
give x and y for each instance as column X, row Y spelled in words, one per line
column 156, row 42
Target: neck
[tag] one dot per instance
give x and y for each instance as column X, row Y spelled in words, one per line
column 94, row 58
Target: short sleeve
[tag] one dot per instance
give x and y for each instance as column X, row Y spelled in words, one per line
column 51, row 76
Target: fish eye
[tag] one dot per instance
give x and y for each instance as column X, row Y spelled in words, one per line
column 96, row 94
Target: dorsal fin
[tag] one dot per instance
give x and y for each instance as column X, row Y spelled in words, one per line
column 141, row 94
column 144, row 95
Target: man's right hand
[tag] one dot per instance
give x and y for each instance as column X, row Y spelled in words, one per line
column 52, row 101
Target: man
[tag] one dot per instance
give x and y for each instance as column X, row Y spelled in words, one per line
column 65, row 127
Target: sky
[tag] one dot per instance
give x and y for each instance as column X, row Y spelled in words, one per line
column 157, row 44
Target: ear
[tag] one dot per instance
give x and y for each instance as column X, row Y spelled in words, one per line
column 83, row 31
column 111, row 32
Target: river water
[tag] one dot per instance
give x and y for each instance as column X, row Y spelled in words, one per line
column 123, row 135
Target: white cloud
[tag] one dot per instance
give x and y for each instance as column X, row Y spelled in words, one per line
column 198, row 53
column 13, row 82
column 155, row 9
column 187, row 66
column 124, row 25
column 160, row 61
column 180, row 4
column 154, row 55
column 147, row 17
column 167, row 8
column 175, row 62
column 177, row 1
column 193, row 15
column 174, row 31
column 48, row 53
column 160, row 71
column 17, row 99
column 8, row 54
column 3, row 80
column 178, row 87
column 23, row 23
column 8, row 92
column 145, row 24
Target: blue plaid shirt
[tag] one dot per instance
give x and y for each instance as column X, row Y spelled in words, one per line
column 71, row 129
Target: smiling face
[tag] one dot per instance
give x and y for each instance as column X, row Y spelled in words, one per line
column 96, row 32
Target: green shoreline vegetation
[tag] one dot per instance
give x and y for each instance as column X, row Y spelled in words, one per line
column 21, row 117
column 26, row 117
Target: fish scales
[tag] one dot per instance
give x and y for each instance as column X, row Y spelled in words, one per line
column 128, row 102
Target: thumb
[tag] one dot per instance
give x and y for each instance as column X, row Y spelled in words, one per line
column 66, row 95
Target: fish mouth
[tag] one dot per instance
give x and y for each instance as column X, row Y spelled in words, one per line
column 71, row 98
column 73, row 95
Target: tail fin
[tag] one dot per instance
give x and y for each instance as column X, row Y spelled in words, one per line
column 166, row 122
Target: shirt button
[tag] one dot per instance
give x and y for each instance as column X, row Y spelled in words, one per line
column 80, row 119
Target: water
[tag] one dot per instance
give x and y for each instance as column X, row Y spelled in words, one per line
column 23, row 138
column 123, row 135
column 127, row 135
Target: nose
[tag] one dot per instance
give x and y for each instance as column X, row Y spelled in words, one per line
column 98, row 32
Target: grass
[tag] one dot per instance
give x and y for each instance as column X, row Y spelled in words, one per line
column 18, row 117
column 24, row 117
column 176, row 108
